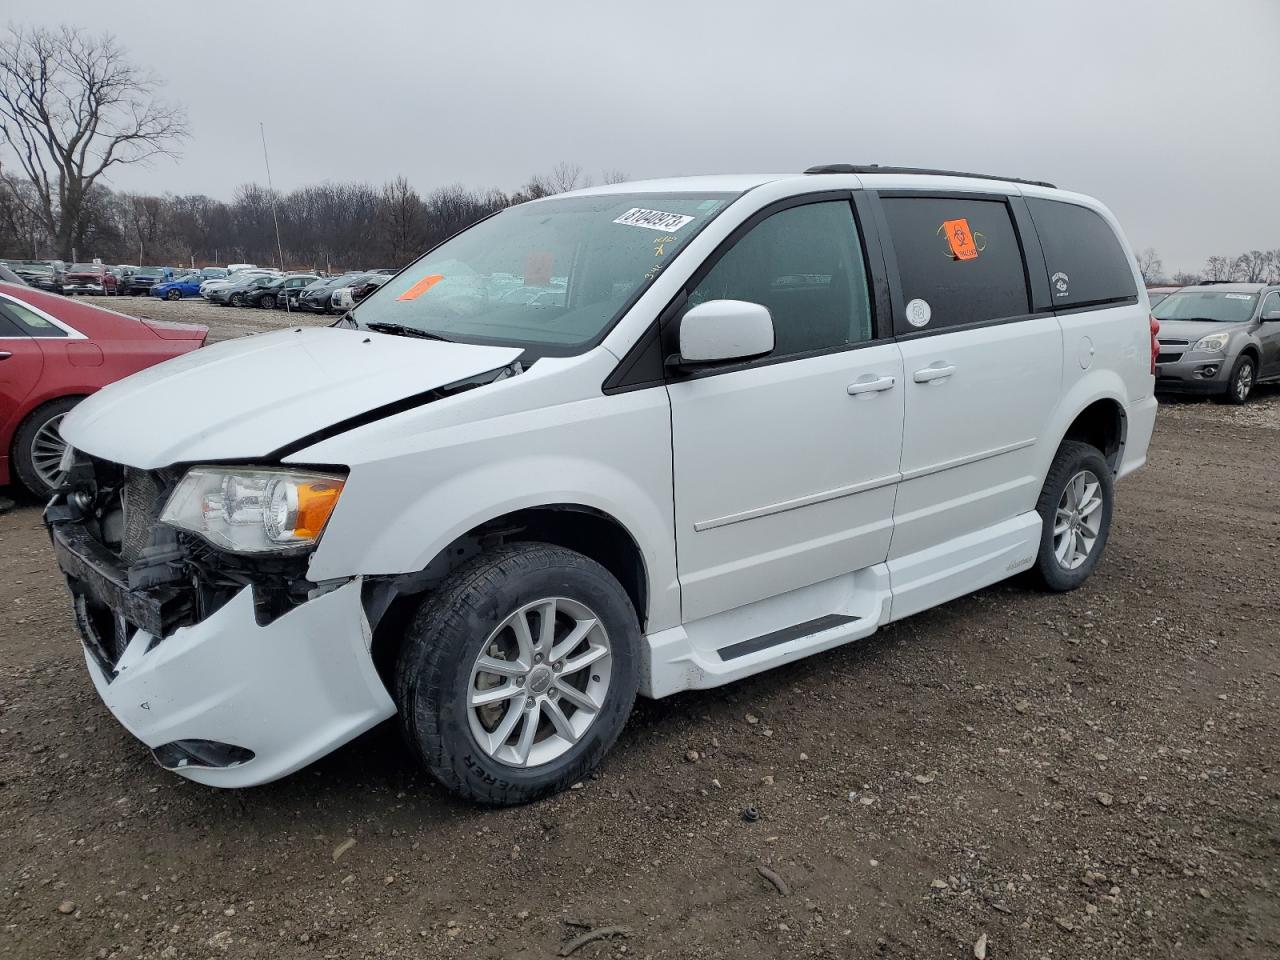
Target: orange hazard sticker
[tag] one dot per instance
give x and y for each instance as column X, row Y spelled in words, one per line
column 960, row 238
column 421, row 287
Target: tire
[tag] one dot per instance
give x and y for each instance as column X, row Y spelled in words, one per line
column 31, row 451
column 1244, row 374
column 438, row 671
column 173, row 295
column 267, row 302
column 1074, row 462
column 236, row 300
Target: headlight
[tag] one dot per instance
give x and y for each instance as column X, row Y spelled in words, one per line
column 250, row 510
column 1213, row 343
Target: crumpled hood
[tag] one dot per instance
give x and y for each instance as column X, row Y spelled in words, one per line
column 249, row 397
column 1193, row 330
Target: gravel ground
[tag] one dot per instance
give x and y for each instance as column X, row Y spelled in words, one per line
column 1090, row 775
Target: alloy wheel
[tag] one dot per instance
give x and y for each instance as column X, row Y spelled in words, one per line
column 1244, row 382
column 1078, row 520
column 539, row 682
column 47, row 447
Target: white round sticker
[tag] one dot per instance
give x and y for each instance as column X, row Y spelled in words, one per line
column 918, row 313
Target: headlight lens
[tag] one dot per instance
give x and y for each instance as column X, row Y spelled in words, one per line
column 248, row 510
column 1213, row 343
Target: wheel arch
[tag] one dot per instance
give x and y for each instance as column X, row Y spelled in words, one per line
column 1102, row 424
column 390, row 601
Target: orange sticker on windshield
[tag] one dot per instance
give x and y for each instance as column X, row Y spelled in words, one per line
column 421, row 287
column 960, row 239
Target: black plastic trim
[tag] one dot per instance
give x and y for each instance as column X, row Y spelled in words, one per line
column 1098, row 305
column 745, row 647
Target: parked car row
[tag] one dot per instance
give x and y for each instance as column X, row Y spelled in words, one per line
column 308, row 292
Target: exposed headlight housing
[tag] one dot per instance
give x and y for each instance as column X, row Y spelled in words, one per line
column 1213, row 343
column 252, row 509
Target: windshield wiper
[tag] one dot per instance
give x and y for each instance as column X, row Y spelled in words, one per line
column 401, row 330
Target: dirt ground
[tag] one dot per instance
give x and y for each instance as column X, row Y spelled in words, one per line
column 1091, row 775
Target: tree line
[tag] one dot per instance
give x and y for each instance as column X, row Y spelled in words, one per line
column 1255, row 266
column 325, row 226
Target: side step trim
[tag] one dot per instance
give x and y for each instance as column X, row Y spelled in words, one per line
column 735, row 650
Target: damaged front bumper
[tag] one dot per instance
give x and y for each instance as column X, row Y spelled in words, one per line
column 231, row 696
column 282, row 695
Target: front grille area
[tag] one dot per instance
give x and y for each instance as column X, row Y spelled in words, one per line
column 1168, row 357
column 128, row 572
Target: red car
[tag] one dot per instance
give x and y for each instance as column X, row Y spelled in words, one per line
column 90, row 278
column 53, row 353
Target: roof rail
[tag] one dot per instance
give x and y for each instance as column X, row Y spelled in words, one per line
column 876, row 168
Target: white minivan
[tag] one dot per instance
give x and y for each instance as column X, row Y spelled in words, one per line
column 762, row 417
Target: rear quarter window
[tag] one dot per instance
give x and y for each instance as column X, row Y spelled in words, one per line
column 1086, row 262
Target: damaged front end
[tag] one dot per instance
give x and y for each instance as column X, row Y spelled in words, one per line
column 127, row 571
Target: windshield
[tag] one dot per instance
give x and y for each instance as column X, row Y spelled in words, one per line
column 552, row 275
column 1220, row 306
column 84, row 268
column 213, row 273
column 150, row 271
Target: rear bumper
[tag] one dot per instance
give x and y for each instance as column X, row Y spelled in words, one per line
column 1140, row 423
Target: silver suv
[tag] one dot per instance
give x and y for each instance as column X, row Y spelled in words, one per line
column 1219, row 339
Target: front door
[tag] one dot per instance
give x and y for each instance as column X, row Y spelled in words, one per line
column 1269, row 335
column 785, row 467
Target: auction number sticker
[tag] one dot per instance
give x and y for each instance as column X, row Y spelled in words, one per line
column 653, row 219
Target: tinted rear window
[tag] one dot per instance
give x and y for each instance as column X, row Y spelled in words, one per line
column 968, row 277
column 1086, row 262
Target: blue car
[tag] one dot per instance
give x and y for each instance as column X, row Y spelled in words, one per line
column 188, row 286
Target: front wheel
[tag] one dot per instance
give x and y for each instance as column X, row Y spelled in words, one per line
column 1243, row 375
column 236, row 300
column 173, row 295
column 268, row 302
column 519, row 673
column 1075, row 507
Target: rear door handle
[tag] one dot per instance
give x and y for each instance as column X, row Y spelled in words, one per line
column 871, row 385
column 5, row 354
column 935, row 371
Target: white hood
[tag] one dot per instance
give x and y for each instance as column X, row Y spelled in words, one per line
column 249, row 397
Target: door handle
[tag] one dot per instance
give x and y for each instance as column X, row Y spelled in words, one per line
column 5, row 354
column 935, row 371
column 871, row 385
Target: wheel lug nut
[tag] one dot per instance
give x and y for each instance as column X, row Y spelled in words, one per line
column 528, row 704
column 537, row 658
column 519, row 681
column 557, row 666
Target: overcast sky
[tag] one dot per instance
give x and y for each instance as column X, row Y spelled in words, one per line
column 1171, row 118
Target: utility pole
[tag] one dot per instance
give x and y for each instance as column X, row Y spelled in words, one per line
column 275, row 219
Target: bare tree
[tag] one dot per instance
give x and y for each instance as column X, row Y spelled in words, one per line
column 1254, row 266
column 72, row 107
column 1185, row 279
column 567, row 176
column 1273, row 266
column 613, row 175
column 1220, row 268
column 402, row 222
column 1151, row 266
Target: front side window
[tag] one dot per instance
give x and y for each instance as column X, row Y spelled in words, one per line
column 30, row 322
column 1218, row 306
column 579, row 262
column 1271, row 307
column 959, row 262
column 805, row 264
column 1086, row 263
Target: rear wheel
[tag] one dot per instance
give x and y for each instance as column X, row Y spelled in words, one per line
column 268, row 301
column 519, row 673
column 38, row 447
column 1075, row 507
column 1243, row 376
column 173, row 295
column 236, row 300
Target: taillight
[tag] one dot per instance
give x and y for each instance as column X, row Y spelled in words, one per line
column 1155, row 344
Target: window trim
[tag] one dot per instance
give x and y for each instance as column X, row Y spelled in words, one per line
column 867, row 243
column 1028, row 250
column 69, row 332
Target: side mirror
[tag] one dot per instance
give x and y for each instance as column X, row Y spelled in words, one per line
column 1271, row 316
column 719, row 331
